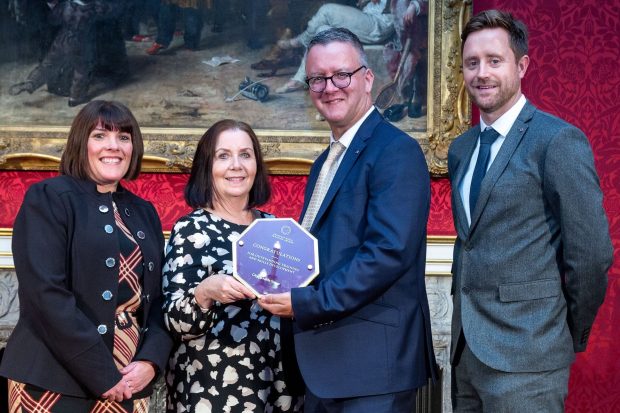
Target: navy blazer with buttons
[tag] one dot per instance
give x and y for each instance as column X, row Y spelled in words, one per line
column 66, row 250
column 363, row 326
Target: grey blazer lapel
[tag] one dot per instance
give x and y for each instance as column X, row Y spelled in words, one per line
column 501, row 160
column 471, row 136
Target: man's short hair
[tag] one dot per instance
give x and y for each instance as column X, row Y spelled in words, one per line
column 493, row 19
column 340, row 34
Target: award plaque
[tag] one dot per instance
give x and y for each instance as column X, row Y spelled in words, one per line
column 274, row 255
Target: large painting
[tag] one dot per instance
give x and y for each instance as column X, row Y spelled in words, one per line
column 181, row 65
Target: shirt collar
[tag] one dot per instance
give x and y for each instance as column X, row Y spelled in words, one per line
column 505, row 122
column 348, row 136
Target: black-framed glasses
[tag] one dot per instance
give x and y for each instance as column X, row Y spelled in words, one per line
column 341, row 80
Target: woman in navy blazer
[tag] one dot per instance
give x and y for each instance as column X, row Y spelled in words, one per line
column 88, row 260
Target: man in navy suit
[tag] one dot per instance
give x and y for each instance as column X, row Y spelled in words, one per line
column 362, row 329
column 533, row 246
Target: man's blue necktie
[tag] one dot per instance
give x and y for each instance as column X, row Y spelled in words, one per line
column 487, row 137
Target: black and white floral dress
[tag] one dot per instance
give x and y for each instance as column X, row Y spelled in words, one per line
column 226, row 358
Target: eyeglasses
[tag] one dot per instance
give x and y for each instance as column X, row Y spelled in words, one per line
column 341, row 80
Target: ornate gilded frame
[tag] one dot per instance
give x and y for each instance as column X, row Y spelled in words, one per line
column 286, row 151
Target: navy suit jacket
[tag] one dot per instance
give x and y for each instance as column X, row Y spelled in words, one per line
column 363, row 326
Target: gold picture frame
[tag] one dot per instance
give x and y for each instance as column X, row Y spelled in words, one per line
column 170, row 149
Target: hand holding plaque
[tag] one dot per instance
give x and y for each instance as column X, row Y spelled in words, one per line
column 274, row 255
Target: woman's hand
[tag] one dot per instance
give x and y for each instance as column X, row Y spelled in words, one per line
column 222, row 288
column 138, row 374
column 118, row 393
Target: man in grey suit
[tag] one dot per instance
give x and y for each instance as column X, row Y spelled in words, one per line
column 532, row 248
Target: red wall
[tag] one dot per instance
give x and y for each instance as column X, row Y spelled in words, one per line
column 166, row 193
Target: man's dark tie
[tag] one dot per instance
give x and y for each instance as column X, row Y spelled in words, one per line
column 487, row 137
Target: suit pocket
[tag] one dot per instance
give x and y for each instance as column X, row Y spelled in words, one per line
column 381, row 314
column 530, row 290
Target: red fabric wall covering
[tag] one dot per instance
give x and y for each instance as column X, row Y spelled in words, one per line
column 166, row 193
column 573, row 73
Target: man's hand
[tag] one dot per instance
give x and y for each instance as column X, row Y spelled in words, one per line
column 278, row 304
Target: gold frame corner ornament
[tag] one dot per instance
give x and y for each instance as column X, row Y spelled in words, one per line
column 287, row 152
column 449, row 112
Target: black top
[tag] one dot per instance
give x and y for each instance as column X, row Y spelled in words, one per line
column 66, row 262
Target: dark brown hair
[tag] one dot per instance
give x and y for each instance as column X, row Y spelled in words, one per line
column 199, row 191
column 112, row 116
column 493, row 19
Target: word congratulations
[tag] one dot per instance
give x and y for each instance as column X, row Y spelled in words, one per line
column 273, row 251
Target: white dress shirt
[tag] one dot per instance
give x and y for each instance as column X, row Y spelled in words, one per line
column 348, row 136
column 502, row 125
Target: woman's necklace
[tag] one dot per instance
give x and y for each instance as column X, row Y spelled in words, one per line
column 245, row 217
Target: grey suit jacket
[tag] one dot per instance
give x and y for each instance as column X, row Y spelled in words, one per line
column 530, row 272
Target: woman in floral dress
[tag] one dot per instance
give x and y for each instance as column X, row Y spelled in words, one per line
column 227, row 355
